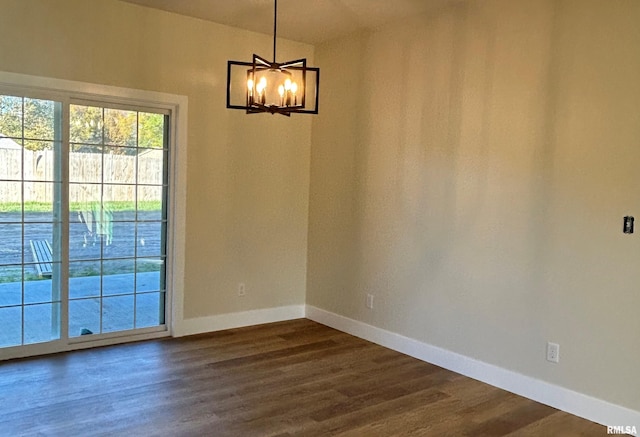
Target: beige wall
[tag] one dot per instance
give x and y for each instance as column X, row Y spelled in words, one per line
column 247, row 176
column 478, row 191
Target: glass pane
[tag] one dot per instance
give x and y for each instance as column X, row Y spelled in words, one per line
column 41, row 212
column 10, row 202
column 151, row 166
column 10, row 160
column 150, row 201
column 82, row 198
column 119, row 165
column 37, row 289
column 11, row 116
column 119, row 197
column 148, row 308
column 120, row 127
column 117, row 313
column 38, row 160
column 10, row 286
column 149, row 274
column 38, row 245
column 83, row 244
column 85, row 209
column 85, row 163
column 84, row 317
column 11, row 244
column 38, row 201
column 39, row 119
column 11, row 322
column 86, row 124
column 118, row 276
column 123, row 243
column 150, row 239
column 101, row 221
column 151, row 130
column 40, row 323
column 84, row 279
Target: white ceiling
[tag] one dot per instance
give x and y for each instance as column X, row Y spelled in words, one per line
column 309, row 21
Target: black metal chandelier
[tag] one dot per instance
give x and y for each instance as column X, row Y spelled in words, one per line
column 277, row 88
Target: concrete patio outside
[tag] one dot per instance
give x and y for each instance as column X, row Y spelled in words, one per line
column 119, row 304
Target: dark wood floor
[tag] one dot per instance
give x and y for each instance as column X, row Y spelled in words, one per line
column 281, row 379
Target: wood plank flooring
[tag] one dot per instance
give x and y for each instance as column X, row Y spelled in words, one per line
column 282, row 379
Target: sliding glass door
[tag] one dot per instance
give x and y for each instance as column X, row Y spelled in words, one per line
column 83, row 220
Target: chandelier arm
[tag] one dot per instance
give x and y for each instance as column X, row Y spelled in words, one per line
column 275, row 27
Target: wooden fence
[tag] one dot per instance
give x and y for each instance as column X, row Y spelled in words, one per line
column 86, row 172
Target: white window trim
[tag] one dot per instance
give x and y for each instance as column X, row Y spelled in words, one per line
column 178, row 105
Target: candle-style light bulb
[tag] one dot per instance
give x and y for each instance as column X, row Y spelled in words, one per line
column 281, row 92
column 294, row 90
column 260, row 89
column 250, row 90
column 287, row 87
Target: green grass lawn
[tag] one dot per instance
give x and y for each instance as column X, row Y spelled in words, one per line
column 113, row 206
column 14, row 273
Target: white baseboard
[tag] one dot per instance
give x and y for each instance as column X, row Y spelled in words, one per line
column 237, row 320
column 578, row 404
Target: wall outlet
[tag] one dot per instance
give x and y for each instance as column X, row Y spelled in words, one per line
column 370, row 301
column 242, row 291
column 553, row 352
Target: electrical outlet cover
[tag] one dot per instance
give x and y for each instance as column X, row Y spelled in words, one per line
column 553, row 352
column 370, row 301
